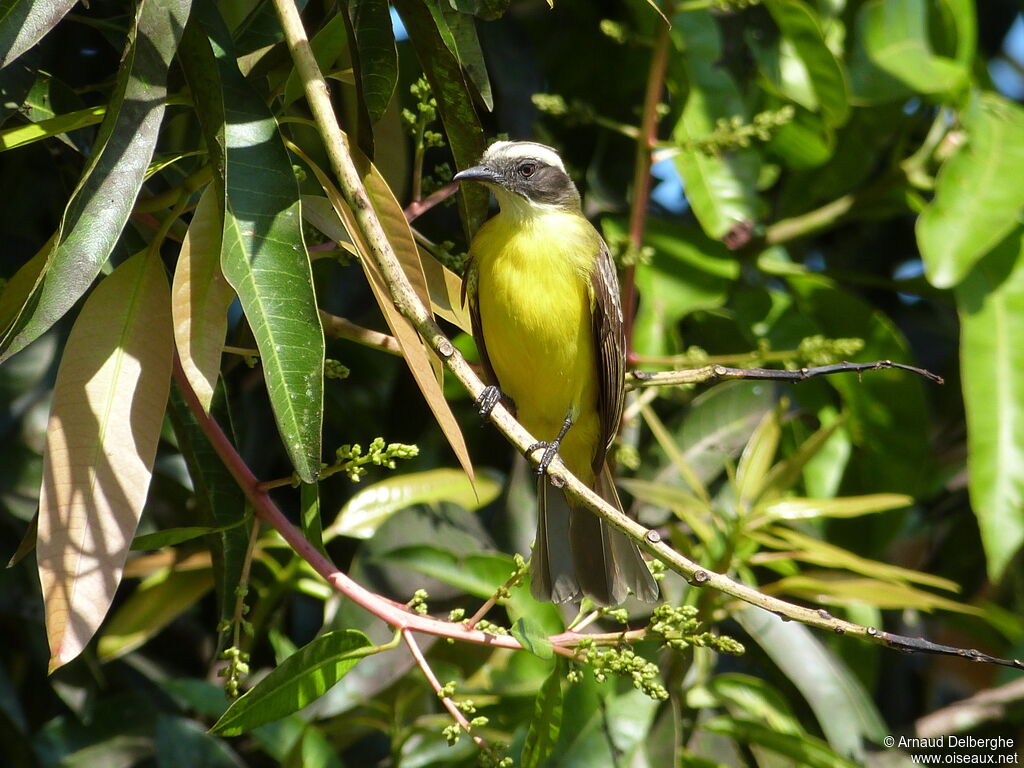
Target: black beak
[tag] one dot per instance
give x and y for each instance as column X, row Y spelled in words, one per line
column 479, row 173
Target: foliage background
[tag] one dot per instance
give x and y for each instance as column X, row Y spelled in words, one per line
column 881, row 185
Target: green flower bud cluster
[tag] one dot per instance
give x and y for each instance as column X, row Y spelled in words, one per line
column 351, row 460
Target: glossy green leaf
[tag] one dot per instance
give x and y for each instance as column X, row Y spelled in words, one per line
column 99, row 207
column 24, row 22
column 807, row 63
column 547, row 721
column 27, row 133
column 720, row 188
column 989, row 301
column 845, row 506
column 299, row 680
column 152, row 606
column 368, row 509
column 263, row 253
column 842, row 707
column 615, row 731
column 894, row 36
column 802, row 749
column 458, row 31
column 375, row 58
column 978, row 195
column 462, row 125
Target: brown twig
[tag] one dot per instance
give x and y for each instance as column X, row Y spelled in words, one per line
column 710, row 373
column 340, row 328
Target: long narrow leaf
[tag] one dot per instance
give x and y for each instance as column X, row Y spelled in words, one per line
column 24, row 22
column 105, row 422
column 263, row 254
column 99, row 207
column 200, row 299
column 989, row 301
column 300, row 679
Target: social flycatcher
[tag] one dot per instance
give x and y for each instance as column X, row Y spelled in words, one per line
column 544, row 301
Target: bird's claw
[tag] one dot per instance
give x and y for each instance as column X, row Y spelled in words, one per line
column 489, row 397
column 550, row 451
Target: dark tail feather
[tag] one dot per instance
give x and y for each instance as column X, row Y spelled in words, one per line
column 552, row 577
column 577, row 551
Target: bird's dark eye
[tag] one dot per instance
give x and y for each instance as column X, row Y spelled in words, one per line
column 526, row 170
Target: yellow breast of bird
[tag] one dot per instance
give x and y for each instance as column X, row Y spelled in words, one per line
column 535, row 301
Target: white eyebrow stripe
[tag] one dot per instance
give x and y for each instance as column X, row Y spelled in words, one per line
column 516, row 149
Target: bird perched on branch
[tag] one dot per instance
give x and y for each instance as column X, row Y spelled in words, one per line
column 544, row 302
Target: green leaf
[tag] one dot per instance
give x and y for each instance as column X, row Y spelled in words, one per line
column 454, row 103
column 152, row 606
column 174, row 536
column 804, row 750
column 547, row 720
column 720, row 188
column 365, row 512
column 263, row 254
column 375, row 58
column 220, row 502
column 458, row 31
column 756, row 698
column 978, row 194
column 804, row 142
column 328, row 44
column 843, row 708
column 989, row 301
column 845, row 506
column 479, row 575
column 299, row 680
column 687, row 272
column 809, row 72
column 887, row 416
column 835, row 589
column 757, row 458
column 24, row 22
column 894, row 38
column 200, row 298
column 312, row 527
column 687, row 507
column 807, row 549
column 99, row 207
column 181, row 742
column 485, row 10
column 531, row 635
column 28, row 133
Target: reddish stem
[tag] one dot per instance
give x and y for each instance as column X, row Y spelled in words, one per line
column 642, row 176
